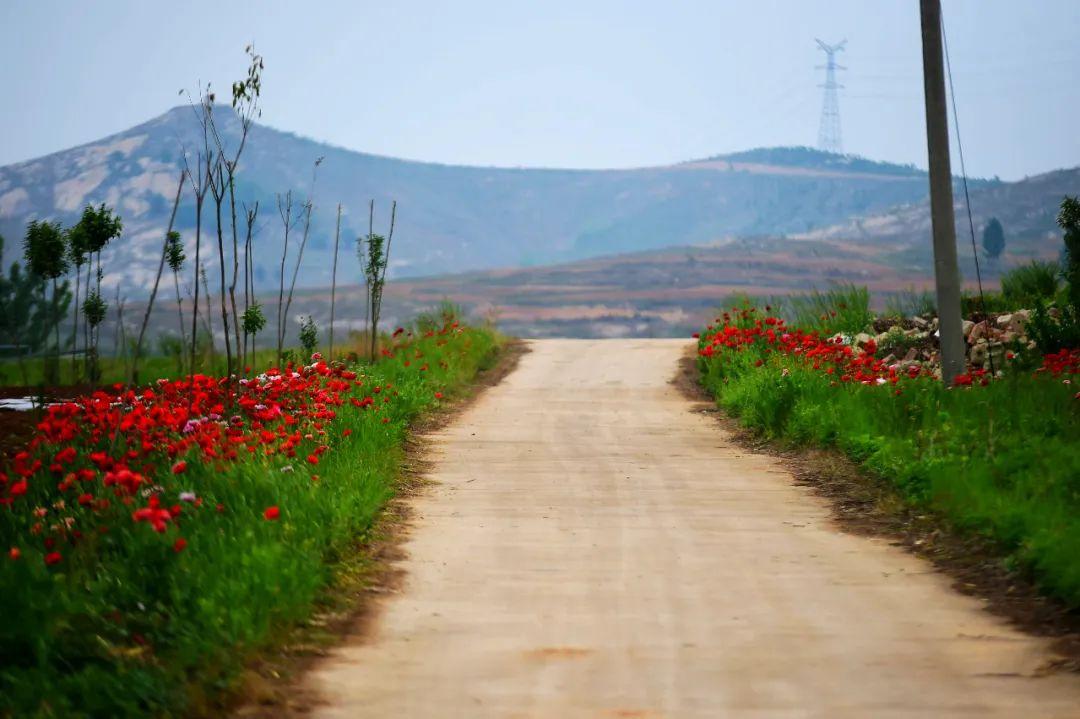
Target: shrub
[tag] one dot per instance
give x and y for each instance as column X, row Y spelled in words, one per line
column 1052, row 334
column 1027, row 285
column 1069, row 221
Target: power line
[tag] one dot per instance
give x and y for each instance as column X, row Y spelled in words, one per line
column 829, row 139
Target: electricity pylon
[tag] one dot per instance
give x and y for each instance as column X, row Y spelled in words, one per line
column 829, row 139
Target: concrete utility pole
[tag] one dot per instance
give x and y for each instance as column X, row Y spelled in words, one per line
column 946, row 272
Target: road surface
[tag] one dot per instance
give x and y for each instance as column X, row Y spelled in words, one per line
column 594, row 548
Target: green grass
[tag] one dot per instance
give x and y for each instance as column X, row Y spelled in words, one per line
column 115, row 369
column 1001, row 461
column 145, row 631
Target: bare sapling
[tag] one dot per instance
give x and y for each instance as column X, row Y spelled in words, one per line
column 308, row 206
column 208, row 321
column 284, row 205
column 199, row 177
column 333, row 283
column 245, row 103
column 217, row 191
column 137, row 355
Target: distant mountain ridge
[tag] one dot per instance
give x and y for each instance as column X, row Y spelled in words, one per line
column 451, row 218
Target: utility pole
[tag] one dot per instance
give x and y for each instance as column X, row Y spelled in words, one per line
column 946, row 272
column 829, row 130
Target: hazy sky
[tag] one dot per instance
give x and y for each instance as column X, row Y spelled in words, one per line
column 552, row 83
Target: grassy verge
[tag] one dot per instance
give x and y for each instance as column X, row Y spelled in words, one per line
column 130, row 621
column 30, row 372
column 1000, row 460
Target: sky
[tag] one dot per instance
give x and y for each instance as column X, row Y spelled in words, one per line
column 580, row 83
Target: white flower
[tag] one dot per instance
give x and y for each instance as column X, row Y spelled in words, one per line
column 187, row 496
column 287, row 468
column 881, row 380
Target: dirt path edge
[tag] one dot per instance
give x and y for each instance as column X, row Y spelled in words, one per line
column 272, row 684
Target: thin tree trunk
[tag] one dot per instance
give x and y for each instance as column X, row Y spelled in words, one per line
column 180, row 315
column 56, row 327
column 286, row 218
column 235, row 269
column 157, row 281
column 376, row 310
column 367, row 280
column 299, row 258
column 221, row 267
column 86, row 323
column 209, row 321
column 75, row 327
column 333, row 282
column 195, row 295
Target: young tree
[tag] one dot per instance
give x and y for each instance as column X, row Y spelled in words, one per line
column 1069, row 221
column 174, row 255
column 76, row 251
column 45, row 252
column 253, row 319
column 217, row 191
column 199, row 177
column 309, row 337
column 376, row 260
column 993, row 239
column 333, row 283
column 157, row 281
column 284, row 205
column 308, row 206
column 21, row 327
column 245, row 103
column 98, row 227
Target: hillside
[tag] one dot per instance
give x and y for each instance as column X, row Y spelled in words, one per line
column 1027, row 210
column 451, row 218
column 673, row 291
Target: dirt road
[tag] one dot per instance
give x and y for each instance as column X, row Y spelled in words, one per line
column 593, row 548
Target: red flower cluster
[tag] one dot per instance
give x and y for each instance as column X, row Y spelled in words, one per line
column 835, row 357
column 105, row 456
column 832, row 357
column 1065, row 362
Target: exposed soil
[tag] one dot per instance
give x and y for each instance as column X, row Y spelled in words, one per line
column 17, row 426
column 270, row 687
column 866, row 505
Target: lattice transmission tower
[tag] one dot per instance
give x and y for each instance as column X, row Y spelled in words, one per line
column 829, row 139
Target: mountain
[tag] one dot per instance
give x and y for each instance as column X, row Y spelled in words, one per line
column 676, row 290
column 450, row 218
column 1027, row 209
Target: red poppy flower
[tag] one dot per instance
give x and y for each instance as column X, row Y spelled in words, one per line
column 52, row 558
column 271, row 513
column 179, row 467
column 179, row 545
column 14, row 553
